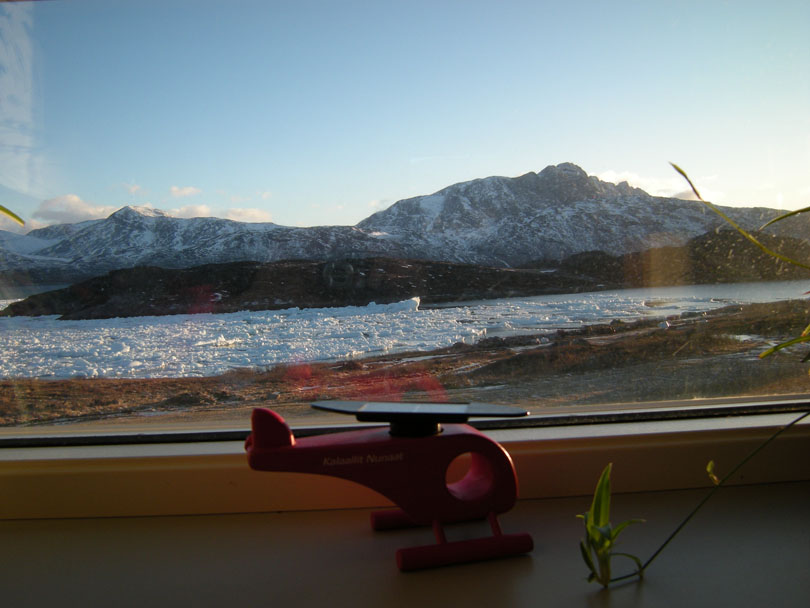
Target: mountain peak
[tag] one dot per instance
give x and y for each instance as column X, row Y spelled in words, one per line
column 567, row 183
column 136, row 211
column 566, row 169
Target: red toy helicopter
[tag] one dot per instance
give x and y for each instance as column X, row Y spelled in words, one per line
column 407, row 464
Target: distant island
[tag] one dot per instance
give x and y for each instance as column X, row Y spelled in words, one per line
column 717, row 257
column 221, row 288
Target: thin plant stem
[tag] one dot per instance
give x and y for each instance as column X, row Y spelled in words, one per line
column 735, row 225
column 706, row 498
column 9, row 213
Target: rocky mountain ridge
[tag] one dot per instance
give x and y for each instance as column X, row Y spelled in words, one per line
column 723, row 256
column 494, row 221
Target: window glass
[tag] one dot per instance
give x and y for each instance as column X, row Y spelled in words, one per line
column 242, row 204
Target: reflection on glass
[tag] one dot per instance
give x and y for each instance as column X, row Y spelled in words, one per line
column 267, row 204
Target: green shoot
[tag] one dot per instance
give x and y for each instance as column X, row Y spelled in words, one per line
column 600, row 536
column 597, row 548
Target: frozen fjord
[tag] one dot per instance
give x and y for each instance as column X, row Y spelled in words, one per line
column 207, row 344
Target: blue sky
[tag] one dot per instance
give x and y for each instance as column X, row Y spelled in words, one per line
column 322, row 112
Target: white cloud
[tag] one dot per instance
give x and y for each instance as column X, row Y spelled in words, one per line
column 248, row 215
column 686, row 195
column 674, row 186
column 265, row 195
column 180, row 192
column 69, row 209
column 188, row 211
column 131, row 188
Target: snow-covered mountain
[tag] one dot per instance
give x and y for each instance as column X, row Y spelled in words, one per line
column 138, row 236
column 497, row 221
column 548, row 215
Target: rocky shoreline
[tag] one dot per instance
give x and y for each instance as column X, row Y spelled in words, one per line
column 221, row 288
column 695, row 356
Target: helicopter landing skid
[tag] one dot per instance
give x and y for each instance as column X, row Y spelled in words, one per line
column 445, row 553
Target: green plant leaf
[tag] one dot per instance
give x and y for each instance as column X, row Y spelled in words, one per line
column 784, row 216
column 12, row 215
column 597, row 547
column 778, row 347
column 586, row 556
column 604, row 537
column 600, row 508
column 688, row 181
column 596, row 538
column 710, row 471
column 617, row 530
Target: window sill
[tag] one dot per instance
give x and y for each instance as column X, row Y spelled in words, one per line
column 213, row 477
column 303, row 539
column 333, row 558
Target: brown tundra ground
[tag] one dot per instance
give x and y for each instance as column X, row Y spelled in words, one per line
column 700, row 356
